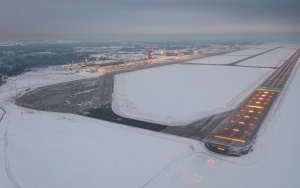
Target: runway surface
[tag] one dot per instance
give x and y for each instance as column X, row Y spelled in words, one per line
column 235, row 134
column 230, row 133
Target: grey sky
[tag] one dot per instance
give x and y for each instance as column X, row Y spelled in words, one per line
column 150, row 20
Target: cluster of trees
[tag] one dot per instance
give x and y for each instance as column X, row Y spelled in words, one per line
column 32, row 56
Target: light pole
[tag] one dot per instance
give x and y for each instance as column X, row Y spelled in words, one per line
column 28, row 81
column 10, row 93
column 16, row 87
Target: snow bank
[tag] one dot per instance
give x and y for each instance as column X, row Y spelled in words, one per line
column 179, row 94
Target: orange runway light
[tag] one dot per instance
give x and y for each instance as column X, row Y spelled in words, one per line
column 254, row 106
column 231, row 139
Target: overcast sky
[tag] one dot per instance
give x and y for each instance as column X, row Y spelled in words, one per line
column 150, row 19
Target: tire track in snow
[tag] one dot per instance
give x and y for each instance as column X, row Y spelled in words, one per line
column 5, row 152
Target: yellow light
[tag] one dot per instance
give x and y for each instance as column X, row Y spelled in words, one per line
column 263, row 95
column 242, row 123
column 231, row 139
column 257, row 102
column 253, row 106
column 251, row 111
column 236, row 130
column 261, row 99
column 221, row 149
column 266, row 92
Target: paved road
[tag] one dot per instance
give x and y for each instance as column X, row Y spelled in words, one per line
column 229, row 133
column 235, row 134
column 93, row 98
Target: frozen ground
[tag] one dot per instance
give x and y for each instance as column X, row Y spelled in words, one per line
column 235, row 56
column 273, row 163
column 42, row 149
column 219, row 59
column 271, row 59
column 62, row 150
column 44, row 76
column 180, row 94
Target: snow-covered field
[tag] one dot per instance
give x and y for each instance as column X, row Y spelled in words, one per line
column 271, row 59
column 273, row 163
column 44, row 76
column 219, row 59
column 180, row 94
column 43, row 149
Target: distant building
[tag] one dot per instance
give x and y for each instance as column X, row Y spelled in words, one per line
column 172, row 54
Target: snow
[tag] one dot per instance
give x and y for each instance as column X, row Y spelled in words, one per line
column 63, row 150
column 74, row 151
column 273, row 56
column 44, row 76
column 271, row 59
column 180, row 94
column 249, row 52
column 220, row 59
column 43, row 149
column 273, row 163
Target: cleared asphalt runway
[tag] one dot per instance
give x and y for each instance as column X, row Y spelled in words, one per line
column 235, row 134
column 230, row 133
